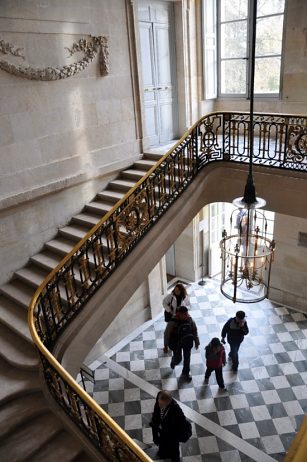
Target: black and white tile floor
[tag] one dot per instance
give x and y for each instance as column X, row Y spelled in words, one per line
column 258, row 415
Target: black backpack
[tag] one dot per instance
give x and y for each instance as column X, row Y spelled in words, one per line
column 185, row 335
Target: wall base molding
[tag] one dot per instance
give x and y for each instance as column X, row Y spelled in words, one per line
column 288, row 300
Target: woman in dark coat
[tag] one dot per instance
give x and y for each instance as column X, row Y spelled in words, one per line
column 167, row 423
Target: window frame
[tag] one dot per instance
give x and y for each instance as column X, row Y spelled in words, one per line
column 246, row 95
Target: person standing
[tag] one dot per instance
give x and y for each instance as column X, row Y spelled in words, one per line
column 181, row 340
column 235, row 328
column 169, row 426
column 171, row 303
column 215, row 360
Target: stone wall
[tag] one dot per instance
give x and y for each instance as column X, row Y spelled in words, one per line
column 59, row 134
column 289, row 270
column 145, row 304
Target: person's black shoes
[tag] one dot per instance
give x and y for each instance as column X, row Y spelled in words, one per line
column 186, row 377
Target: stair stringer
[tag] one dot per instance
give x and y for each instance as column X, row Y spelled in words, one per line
column 14, row 300
column 217, row 182
column 75, row 343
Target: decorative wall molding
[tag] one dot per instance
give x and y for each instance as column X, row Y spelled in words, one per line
column 90, row 48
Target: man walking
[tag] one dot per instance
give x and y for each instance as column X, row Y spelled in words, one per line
column 181, row 340
column 169, row 426
column 235, row 329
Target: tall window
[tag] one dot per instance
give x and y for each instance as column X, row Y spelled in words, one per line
column 234, row 40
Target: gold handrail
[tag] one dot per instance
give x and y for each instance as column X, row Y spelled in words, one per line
column 298, row 447
column 129, row 193
column 107, row 216
column 47, row 354
column 140, row 455
column 87, row 398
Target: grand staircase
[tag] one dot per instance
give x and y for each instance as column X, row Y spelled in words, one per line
column 216, row 137
column 29, row 430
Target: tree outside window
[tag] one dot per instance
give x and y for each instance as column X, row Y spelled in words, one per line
column 234, row 31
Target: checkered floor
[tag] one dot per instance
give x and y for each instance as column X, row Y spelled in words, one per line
column 264, row 403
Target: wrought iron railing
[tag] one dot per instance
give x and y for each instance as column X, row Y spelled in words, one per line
column 280, row 142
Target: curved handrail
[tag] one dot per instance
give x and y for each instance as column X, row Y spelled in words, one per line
column 281, row 143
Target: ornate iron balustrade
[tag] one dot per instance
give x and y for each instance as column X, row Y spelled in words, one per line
column 280, row 142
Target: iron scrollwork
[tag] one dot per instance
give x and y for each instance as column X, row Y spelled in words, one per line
column 279, row 142
column 297, row 144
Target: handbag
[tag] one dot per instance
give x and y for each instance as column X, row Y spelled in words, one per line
column 167, row 316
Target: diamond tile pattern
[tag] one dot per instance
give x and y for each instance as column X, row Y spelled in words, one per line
column 264, row 403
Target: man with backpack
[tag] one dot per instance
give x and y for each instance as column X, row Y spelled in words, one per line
column 182, row 338
column 169, row 426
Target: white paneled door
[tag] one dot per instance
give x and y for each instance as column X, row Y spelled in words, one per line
column 157, row 46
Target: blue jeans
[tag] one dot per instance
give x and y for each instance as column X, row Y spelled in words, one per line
column 234, row 354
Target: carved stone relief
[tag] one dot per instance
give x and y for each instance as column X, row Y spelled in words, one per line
column 90, row 48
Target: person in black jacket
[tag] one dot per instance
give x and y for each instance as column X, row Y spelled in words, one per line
column 182, row 337
column 235, row 329
column 167, row 423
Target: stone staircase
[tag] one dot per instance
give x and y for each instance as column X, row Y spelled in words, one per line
column 29, row 430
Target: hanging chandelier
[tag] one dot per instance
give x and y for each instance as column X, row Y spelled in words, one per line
column 247, row 253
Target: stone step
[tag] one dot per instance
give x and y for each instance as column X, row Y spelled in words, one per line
column 19, row 411
column 73, row 232
column 86, row 219
column 16, row 382
column 98, row 207
column 62, row 447
column 18, row 291
column 32, row 275
column 144, row 164
column 111, row 195
column 132, row 174
column 152, row 156
column 28, row 439
column 16, row 350
column 46, row 259
column 60, row 245
column 15, row 317
column 121, row 185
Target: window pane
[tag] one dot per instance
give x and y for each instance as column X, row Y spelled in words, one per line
column 269, row 215
column 267, row 75
column 233, row 76
column 233, row 39
column 270, row 228
column 233, row 9
column 265, row 7
column 269, row 36
column 209, row 18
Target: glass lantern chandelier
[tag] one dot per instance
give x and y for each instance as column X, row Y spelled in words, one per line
column 247, row 253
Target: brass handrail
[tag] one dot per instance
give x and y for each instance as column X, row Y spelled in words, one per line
column 214, row 137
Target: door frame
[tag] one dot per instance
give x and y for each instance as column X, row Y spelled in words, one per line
column 173, row 70
column 186, row 43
